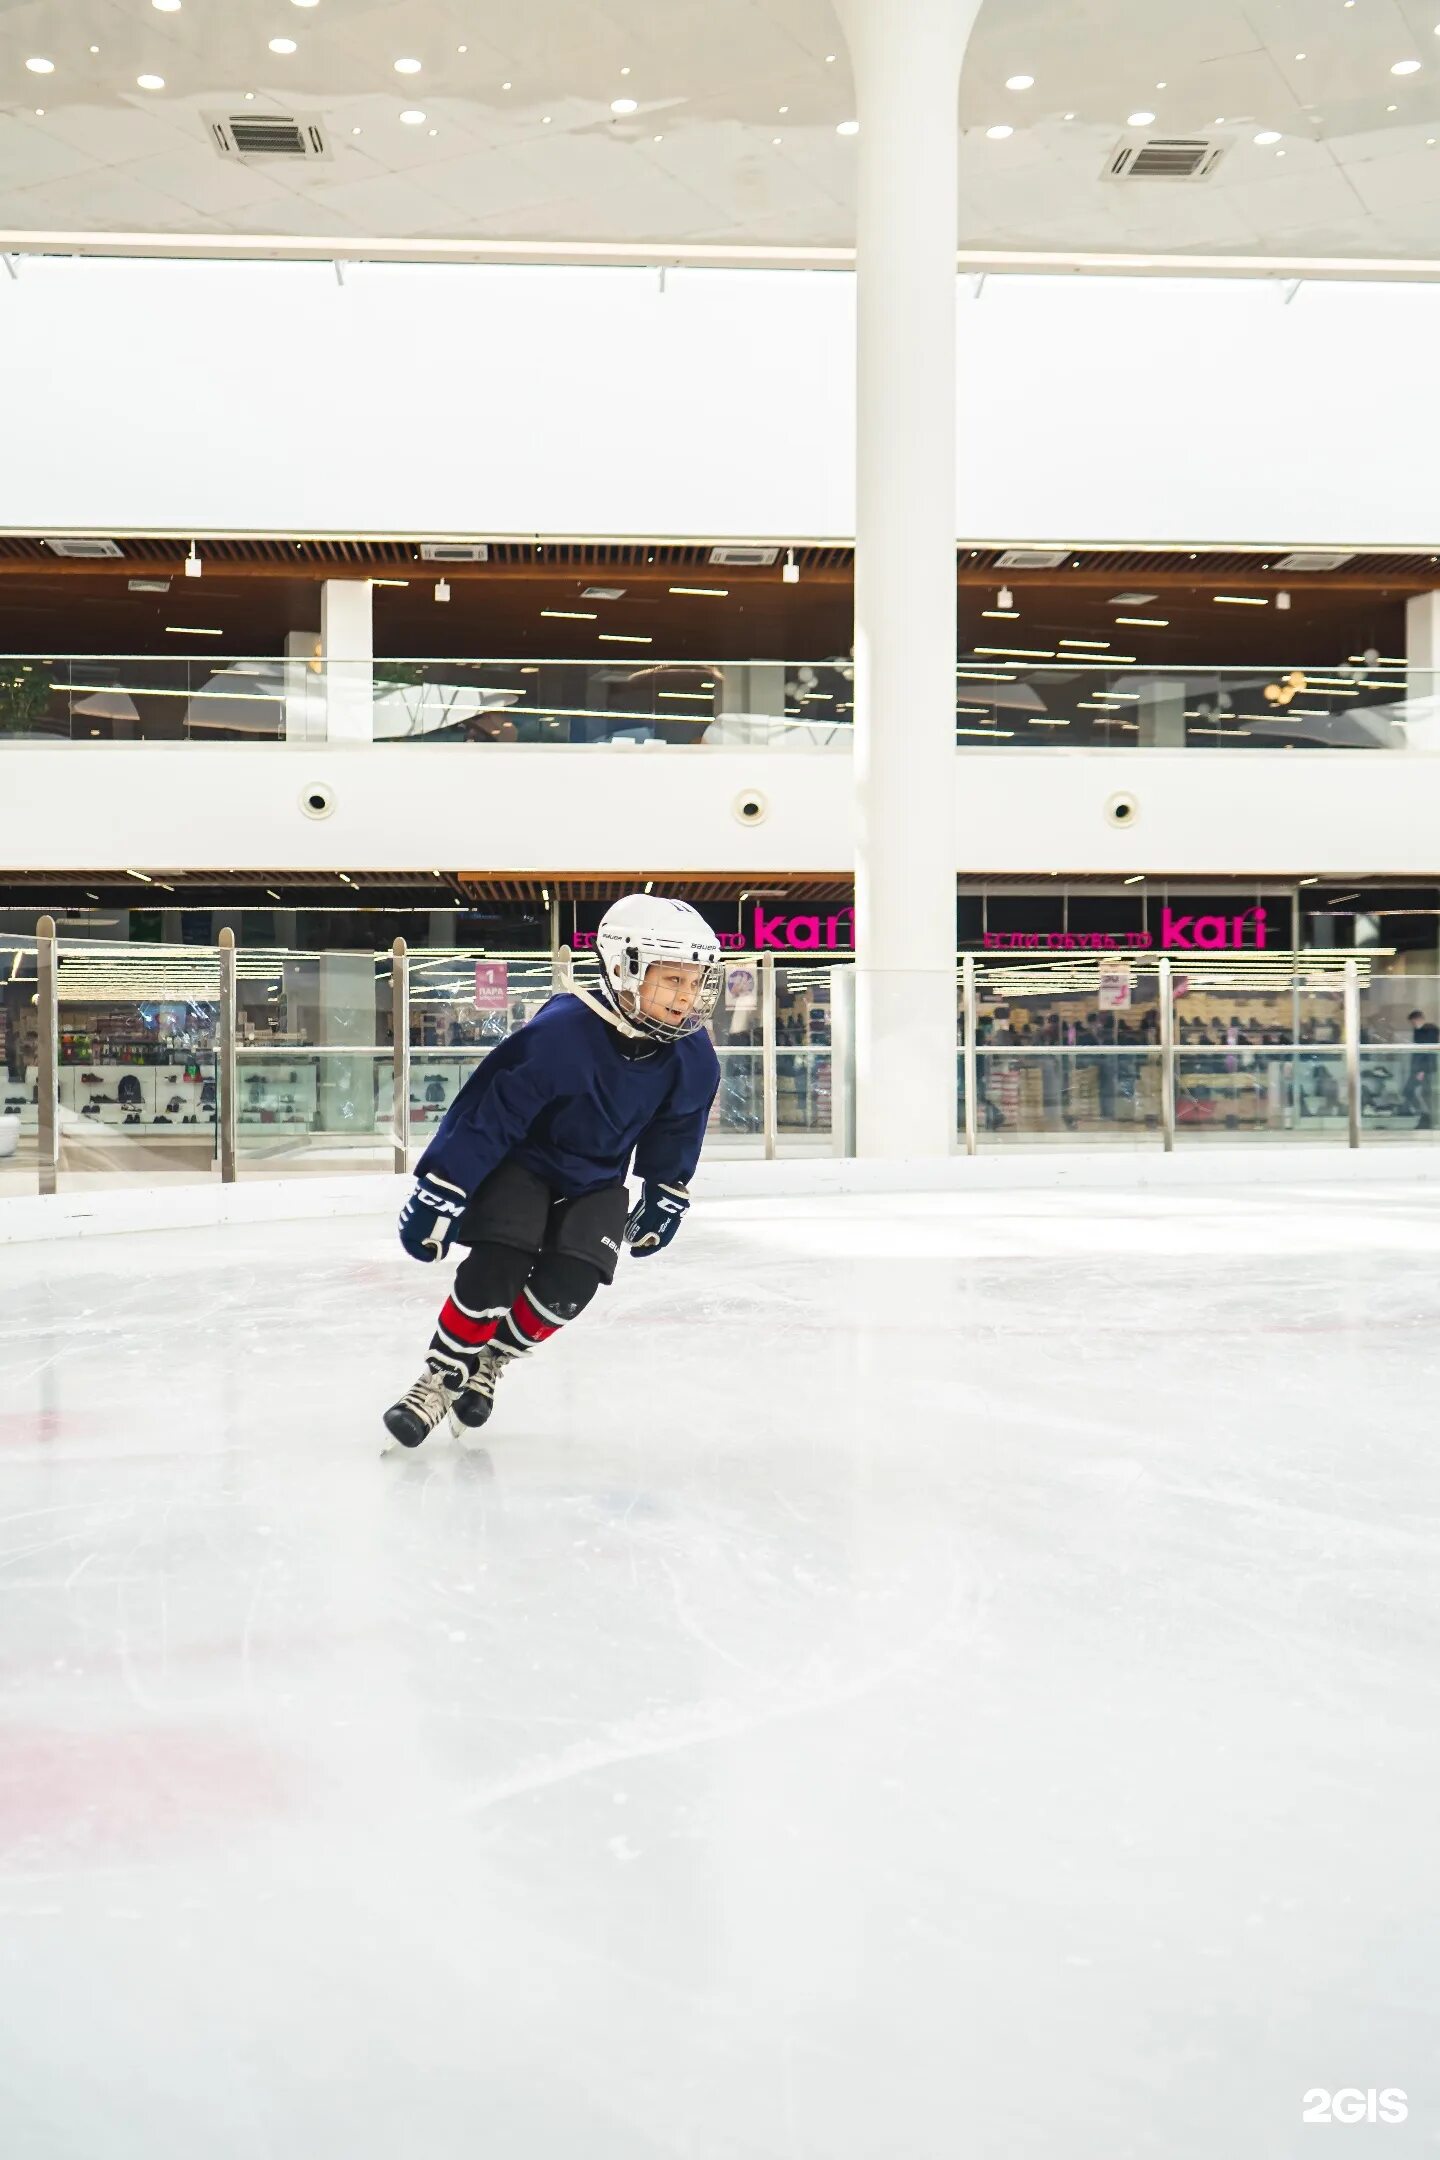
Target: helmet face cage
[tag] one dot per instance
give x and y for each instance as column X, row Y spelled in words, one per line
column 625, row 978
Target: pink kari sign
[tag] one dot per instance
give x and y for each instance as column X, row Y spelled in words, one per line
column 492, row 985
column 1246, row 932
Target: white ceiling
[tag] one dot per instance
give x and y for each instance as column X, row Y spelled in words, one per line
column 710, row 158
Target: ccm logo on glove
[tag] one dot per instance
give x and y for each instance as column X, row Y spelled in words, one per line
column 655, row 1221
column 428, row 1216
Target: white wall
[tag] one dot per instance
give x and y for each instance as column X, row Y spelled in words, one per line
column 264, row 397
column 497, row 808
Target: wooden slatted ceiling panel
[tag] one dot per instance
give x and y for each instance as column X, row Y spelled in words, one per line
column 281, row 553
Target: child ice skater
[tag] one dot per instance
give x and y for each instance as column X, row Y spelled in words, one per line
column 528, row 1167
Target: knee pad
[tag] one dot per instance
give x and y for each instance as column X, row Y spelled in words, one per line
column 563, row 1284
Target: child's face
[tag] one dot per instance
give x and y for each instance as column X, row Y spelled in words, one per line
column 669, row 990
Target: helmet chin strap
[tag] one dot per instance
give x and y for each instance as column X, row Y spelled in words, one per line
column 598, row 1005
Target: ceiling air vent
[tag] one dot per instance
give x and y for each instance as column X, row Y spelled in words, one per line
column 1313, row 561
column 268, row 135
column 1031, row 558
column 455, row 551
column 744, row 558
column 86, row 550
column 1165, row 157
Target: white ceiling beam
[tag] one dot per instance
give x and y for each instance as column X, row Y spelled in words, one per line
column 972, row 262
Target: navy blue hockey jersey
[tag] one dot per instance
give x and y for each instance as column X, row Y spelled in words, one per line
column 569, row 1098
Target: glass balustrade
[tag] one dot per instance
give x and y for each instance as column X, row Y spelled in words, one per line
column 1069, row 1050
column 1071, row 699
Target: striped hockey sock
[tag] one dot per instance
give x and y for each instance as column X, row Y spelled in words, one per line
column 527, row 1324
column 460, row 1334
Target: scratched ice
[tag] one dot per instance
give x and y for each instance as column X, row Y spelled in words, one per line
column 907, row 1679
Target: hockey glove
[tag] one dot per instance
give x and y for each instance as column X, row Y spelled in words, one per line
column 428, row 1217
column 654, row 1222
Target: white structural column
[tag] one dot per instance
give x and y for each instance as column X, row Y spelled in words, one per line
column 1422, row 652
column 907, row 77
column 347, row 640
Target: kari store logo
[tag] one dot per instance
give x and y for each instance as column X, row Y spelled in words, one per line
column 1245, row 932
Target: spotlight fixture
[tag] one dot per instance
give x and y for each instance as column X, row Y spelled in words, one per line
column 193, row 564
column 39, row 66
column 150, row 82
column 413, row 119
column 1282, row 599
column 1005, row 598
column 998, row 134
column 407, row 67
column 1019, row 82
column 848, row 127
column 1140, row 119
column 442, row 589
column 282, row 45
column 623, row 105
column 790, row 570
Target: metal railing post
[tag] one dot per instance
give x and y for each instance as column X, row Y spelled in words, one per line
column 225, row 1079
column 969, row 1006
column 769, row 1106
column 400, row 1069
column 1352, row 1047
column 1167, row 1056
column 842, row 1061
column 47, row 1057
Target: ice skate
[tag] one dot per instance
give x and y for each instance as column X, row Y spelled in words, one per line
column 471, row 1408
column 422, row 1407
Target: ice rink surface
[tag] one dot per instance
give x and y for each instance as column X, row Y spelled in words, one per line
column 906, row 1679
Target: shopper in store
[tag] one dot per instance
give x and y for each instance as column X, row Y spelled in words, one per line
column 1418, row 1099
column 528, row 1167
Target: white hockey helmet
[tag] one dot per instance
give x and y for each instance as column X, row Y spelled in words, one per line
column 641, row 930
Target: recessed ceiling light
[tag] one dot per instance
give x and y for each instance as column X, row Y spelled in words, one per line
column 166, row 7
column 249, row 97
column 150, row 82
column 624, row 105
column 407, row 67
column 39, row 112
column 625, row 71
column 1071, row 116
column 282, row 44
column 829, row 57
column 37, row 66
column 94, row 48
column 1161, row 86
column 413, row 119
column 657, row 138
column 1279, row 153
column 784, row 108
column 462, row 48
column 1300, row 56
column 305, row 3
column 775, row 139
column 507, row 86
column 355, row 131
column 565, row 614
column 998, row 134
column 1406, row 67
column 1019, row 82
column 1392, row 108
column 848, row 127
column 1140, row 119
column 434, row 131
column 1225, row 599
column 1268, row 135
column 545, row 122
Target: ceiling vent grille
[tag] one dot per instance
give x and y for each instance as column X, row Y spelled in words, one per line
column 744, row 558
column 455, row 551
column 1313, row 561
column 1165, row 157
column 1031, row 558
column 268, row 135
column 75, row 550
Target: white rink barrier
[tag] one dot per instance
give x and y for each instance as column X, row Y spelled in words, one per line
column 29, row 1219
